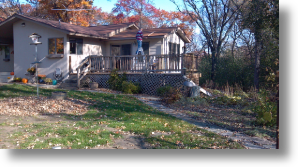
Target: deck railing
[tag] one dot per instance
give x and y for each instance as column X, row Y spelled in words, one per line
column 137, row 64
column 140, row 63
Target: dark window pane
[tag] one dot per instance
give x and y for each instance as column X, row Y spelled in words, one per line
column 115, row 50
column 72, row 46
column 52, row 46
column 60, row 46
column 79, row 48
column 145, row 46
column 125, row 49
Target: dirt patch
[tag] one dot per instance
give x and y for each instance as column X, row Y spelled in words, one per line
column 29, row 106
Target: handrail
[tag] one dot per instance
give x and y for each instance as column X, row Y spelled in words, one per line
column 79, row 77
column 84, row 62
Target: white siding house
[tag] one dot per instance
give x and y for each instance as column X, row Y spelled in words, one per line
column 77, row 43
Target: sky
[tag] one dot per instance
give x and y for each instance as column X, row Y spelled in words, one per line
column 107, row 5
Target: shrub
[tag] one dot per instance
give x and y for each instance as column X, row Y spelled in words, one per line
column 169, row 94
column 162, row 90
column 266, row 110
column 197, row 101
column 115, row 81
column 130, row 88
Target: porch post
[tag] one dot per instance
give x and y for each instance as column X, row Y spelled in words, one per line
column 78, row 76
column 114, row 62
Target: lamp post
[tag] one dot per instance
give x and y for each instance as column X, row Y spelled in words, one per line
column 35, row 37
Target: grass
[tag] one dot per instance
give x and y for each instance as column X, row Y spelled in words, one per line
column 233, row 112
column 125, row 113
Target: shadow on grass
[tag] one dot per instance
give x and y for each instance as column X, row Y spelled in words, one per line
column 113, row 106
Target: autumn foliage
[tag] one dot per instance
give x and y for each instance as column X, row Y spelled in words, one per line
column 124, row 11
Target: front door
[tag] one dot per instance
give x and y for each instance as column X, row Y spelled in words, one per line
column 6, row 58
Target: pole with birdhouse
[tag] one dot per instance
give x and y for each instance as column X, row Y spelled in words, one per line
column 35, row 37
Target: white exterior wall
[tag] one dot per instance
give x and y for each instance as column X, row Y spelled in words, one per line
column 24, row 53
column 173, row 38
column 90, row 47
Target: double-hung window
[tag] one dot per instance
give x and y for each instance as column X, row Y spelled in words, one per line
column 56, row 46
column 76, row 46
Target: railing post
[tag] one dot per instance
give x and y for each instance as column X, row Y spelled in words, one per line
column 78, row 76
column 89, row 63
column 114, row 63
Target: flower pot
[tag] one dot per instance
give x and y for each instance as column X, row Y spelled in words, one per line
column 93, row 85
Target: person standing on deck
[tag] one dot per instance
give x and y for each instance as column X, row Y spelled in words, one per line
column 139, row 38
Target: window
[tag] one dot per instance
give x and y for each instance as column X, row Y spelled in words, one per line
column 145, row 46
column 7, row 52
column 76, row 46
column 56, row 46
column 174, row 48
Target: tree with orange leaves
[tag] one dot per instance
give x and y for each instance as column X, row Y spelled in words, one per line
column 65, row 10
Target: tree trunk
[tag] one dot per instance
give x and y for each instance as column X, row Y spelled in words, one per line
column 213, row 68
column 257, row 59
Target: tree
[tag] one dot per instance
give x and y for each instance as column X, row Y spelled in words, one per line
column 140, row 11
column 215, row 18
column 264, row 23
column 43, row 9
column 10, row 7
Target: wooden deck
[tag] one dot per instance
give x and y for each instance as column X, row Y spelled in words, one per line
column 137, row 64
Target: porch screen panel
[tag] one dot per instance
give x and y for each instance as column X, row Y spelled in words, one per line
column 145, row 46
column 125, row 62
column 115, row 51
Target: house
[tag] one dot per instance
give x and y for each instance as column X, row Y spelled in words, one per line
column 65, row 45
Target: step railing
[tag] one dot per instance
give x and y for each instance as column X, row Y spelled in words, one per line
column 82, row 70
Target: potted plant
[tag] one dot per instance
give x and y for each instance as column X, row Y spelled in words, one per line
column 31, row 70
column 17, row 79
column 48, row 81
column 93, row 85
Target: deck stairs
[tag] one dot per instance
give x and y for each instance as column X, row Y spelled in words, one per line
column 4, row 77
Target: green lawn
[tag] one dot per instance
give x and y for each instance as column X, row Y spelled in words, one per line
column 125, row 113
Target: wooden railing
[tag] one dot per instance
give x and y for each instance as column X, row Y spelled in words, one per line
column 137, row 64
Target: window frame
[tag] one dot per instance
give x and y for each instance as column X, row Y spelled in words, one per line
column 56, row 46
column 76, row 45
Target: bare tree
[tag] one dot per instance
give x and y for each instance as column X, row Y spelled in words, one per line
column 215, row 18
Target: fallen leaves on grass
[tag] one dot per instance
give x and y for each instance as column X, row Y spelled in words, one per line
column 29, row 106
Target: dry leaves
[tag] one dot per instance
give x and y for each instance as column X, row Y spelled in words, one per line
column 29, row 106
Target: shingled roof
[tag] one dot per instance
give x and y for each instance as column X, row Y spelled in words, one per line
column 97, row 31
column 151, row 33
column 122, row 31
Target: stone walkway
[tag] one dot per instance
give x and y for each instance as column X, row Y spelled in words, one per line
column 248, row 141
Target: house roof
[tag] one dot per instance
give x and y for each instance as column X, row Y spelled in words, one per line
column 97, row 32
column 151, row 33
column 122, row 31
